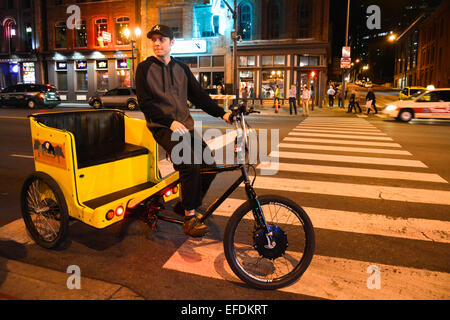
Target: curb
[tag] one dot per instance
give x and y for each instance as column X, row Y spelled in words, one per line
column 23, row 281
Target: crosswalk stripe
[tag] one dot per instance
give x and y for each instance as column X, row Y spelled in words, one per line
column 325, row 135
column 340, row 148
column 343, row 128
column 357, row 172
column 379, row 192
column 345, row 142
column 345, row 125
column 351, row 159
column 359, row 222
column 334, row 131
column 338, row 127
column 326, row 277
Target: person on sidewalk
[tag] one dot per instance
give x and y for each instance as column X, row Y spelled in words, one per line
column 340, row 95
column 370, row 102
column 163, row 87
column 276, row 98
column 292, row 99
column 244, row 96
column 306, row 97
column 331, row 94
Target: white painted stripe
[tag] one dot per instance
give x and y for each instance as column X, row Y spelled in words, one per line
column 334, row 131
column 342, row 136
column 22, row 156
column 364, row 223
column 343, row 124
column 326, row 277
column 355, row 190
column 351, row 159
column 343, row 128
column 357, row 172
column 344, row 149
column 345, row 142
column 362, row 116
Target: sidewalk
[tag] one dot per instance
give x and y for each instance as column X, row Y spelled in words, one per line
column 21, row 281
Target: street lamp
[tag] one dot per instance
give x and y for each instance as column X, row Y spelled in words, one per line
column 137, row 34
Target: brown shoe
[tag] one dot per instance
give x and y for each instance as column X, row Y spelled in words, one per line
column 194, row 227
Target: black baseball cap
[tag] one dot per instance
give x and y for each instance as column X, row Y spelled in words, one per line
column 161, row 29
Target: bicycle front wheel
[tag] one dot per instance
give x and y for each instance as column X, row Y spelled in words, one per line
column 265, row 265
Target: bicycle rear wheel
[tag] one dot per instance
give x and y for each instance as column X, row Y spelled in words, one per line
column 44, row 210
column 263, row 265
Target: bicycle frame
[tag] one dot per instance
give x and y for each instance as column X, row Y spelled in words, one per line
column 243, row 178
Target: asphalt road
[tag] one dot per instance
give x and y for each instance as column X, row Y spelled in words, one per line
column 376, row 190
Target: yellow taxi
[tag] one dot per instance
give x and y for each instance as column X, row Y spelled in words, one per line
column 409, row 91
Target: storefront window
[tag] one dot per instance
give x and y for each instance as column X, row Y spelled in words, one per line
column 29, row 75
column 124, row 78
column 60, row 35
column 122, row 23
column 218, row 79
column 270, row 79
column 102, row 80
column 247, row 79
column 278, row 60
column 81, row 36
column 81, row 80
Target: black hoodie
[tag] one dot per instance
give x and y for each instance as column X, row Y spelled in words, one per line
column 163, row 91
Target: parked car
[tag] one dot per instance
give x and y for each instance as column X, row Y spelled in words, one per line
column 409, row 91
column 31, row 95
column 115, row 98
column 429, row 104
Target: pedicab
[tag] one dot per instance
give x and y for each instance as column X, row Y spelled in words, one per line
column 99, row 166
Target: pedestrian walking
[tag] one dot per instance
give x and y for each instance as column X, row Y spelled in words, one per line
column 340, row 96
column 352, row 103
column 292, row 99
column 306, row 97
column 331, row 94
column 370, row 102
column 276, row 98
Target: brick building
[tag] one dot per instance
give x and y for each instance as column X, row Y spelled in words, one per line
column 94, row 56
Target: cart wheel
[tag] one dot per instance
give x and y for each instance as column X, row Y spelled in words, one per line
column 44, row 210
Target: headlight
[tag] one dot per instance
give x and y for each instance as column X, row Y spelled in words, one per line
column 391, row 108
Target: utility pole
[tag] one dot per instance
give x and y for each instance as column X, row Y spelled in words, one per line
column 234, row 36
column 346, row 44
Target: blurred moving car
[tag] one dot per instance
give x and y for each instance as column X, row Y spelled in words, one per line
column 368, row 84
column 409, row 91
column 115, row 98
column 31, row 95
column 429, row 104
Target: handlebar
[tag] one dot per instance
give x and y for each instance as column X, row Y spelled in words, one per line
column 241, row 110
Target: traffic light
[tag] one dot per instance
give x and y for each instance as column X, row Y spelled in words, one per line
column 313, row 74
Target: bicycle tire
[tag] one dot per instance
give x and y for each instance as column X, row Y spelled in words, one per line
column 230, row 241
column 42, row 198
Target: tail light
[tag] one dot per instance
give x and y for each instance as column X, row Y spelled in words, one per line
column 41, row 95
column 120, row 211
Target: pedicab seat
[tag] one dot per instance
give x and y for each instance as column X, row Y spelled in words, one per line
column 99, row 136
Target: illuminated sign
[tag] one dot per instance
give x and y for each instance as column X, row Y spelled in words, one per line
column 61, row 65
column 123, row 63
column 81, row 65
column 189, row 46
column 101, row 64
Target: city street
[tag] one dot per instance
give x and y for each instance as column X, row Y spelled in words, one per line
column 376, row 190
